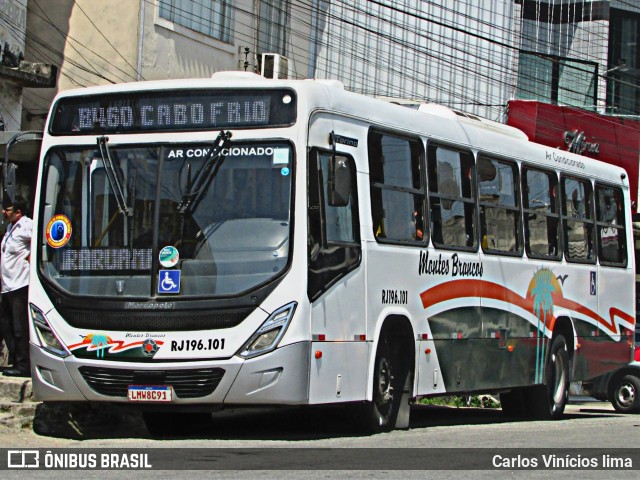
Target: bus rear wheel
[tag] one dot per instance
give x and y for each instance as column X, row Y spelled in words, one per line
column 548, row 401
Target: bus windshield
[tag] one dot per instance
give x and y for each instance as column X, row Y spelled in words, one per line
column 115, row 222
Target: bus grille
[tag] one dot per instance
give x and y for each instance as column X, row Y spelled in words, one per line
column 145, row 321
column 113, row 382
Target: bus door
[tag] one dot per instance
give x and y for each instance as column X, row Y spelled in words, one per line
column 20, row 167
column 336, row 277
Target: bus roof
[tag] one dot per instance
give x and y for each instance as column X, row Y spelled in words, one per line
column 432, row 121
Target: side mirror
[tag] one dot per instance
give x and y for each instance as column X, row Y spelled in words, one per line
column 339, row 182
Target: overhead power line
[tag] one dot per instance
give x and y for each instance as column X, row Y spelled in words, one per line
column 459, row 45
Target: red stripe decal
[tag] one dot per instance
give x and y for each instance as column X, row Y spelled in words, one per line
column 479, row 289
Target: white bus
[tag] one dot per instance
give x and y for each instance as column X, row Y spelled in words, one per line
column 240, row 241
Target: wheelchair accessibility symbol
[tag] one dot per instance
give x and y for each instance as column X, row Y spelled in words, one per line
column 169, row 281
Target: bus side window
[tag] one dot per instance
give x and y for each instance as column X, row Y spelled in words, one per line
column 499, row 206
column 396, row 187
column 610, row 221
column 540, row 214
column 577, row 220
column 452, row 198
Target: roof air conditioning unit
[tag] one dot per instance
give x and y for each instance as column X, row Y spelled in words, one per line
column 274, row 65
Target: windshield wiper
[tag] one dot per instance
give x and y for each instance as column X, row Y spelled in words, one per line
column 113, row 177
column 196, row 189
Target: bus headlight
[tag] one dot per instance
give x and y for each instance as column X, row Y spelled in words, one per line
column 48, row 340
column 270, row 332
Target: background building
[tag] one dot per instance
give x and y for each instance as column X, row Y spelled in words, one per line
column 80, row 43
column 114, row 41
column 475, row 56
column 17, row 72
column 12, row 48
column 469, row 55
column 456, row 53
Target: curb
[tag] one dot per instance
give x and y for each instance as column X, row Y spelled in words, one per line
column 17, row 409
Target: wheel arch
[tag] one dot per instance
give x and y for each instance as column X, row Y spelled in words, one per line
column 564, row 326
column 398, row 328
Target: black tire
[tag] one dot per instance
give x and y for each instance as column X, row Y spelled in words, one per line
column 625, row 395
column 380, row 414
column 547, row 402
column 176, row 424
column 513, row 403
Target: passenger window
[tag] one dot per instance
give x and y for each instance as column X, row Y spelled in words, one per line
column 452, row 198
column 499, row 206
column 541, row 214
column 397, row 195
column 577, row 220
column 610, row 221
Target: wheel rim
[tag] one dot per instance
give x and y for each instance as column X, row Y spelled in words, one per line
column 559, row 388
column 626, row 395
column 384, row 384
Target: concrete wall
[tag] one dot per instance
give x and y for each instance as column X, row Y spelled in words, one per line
column 173, row 51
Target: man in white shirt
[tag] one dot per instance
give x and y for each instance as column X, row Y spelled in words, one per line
column 16, row 249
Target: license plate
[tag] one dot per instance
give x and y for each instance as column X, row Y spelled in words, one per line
column 150, row 393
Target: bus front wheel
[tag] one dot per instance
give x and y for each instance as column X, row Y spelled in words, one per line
column 380, row 414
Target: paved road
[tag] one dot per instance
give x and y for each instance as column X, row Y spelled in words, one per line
column 586, row 425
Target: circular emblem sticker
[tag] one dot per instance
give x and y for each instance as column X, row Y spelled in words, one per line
column 58, row 231
column 149, row 347
column 169, row 256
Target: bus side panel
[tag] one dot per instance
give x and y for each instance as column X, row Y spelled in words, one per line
column 429, row 375
column 339, row 313
column 338, row 371
column 598, row 353
column 613, row 287
column 484, row 358
column 509, row 323
column 470, row 365
column 482, row 338
column 503, row 343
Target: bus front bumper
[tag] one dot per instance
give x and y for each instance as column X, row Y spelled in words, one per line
column 279, row 377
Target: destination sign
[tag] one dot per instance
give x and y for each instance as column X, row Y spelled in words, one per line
column 172, row 110
column 73, row 260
